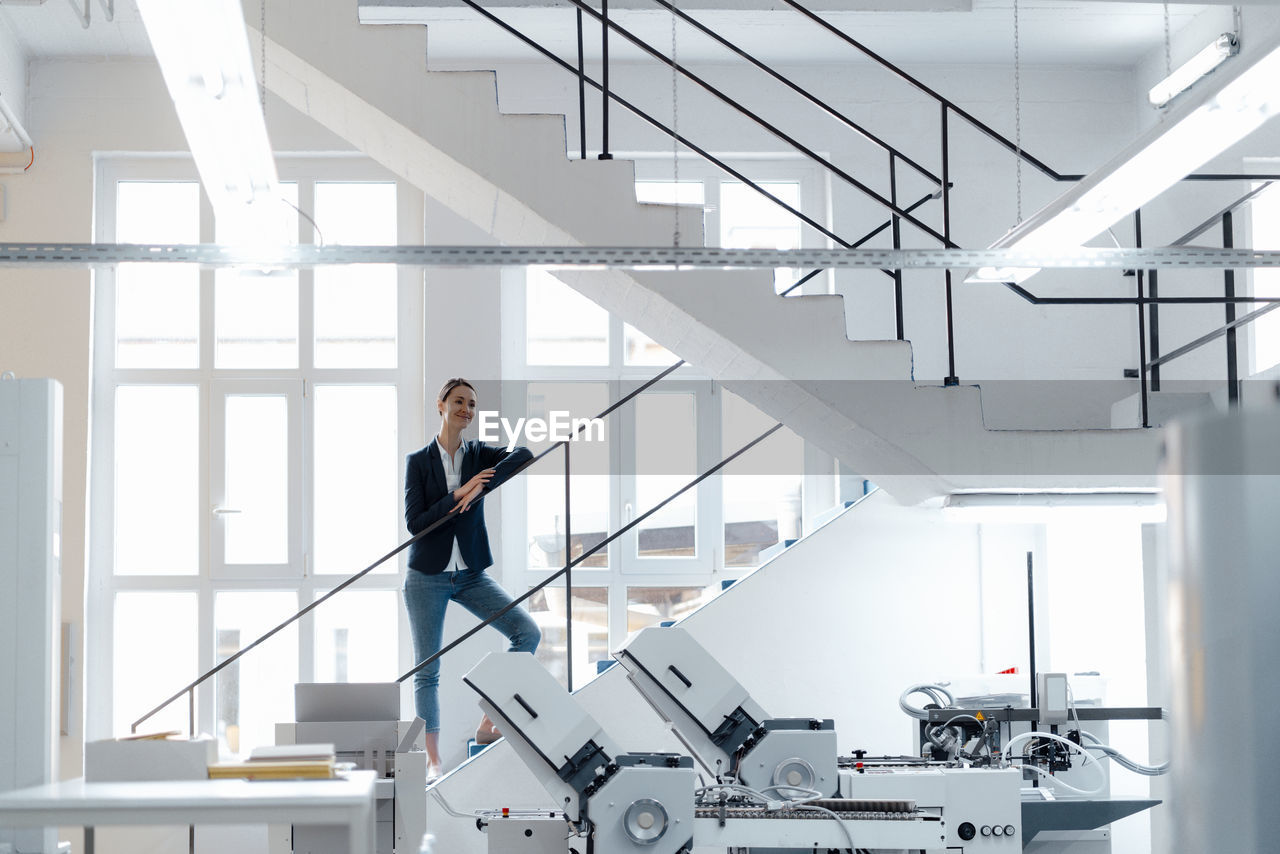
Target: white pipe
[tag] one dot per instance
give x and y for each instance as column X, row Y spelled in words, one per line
column 12, row 121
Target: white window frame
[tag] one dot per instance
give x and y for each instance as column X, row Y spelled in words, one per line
column 406, row 377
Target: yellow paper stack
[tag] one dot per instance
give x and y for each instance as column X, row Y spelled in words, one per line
column 280, row 762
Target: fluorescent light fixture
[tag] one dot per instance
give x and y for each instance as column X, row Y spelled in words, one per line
column 1223, row 48
column 1040, row 507
column 1202, row 126
column 203, row 50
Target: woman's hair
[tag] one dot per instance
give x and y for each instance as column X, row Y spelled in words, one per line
column 450, row 385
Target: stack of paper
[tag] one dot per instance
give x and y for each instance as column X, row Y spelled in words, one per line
column 280, row 762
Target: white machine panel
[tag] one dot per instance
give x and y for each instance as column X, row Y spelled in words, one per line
column 546, row 725
column 701, row 686
column 688, row 688
column 537, row 705
column 30, row 592
column 981, row 807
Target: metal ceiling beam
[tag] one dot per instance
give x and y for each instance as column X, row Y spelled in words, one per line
column 629, row 257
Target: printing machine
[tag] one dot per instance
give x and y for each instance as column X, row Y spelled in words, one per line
column 771, row 783
column 361, row 721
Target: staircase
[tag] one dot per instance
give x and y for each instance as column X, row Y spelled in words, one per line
column 509, row 176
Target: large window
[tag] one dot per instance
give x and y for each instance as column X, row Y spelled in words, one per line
column 575, row 358
column 249, row 428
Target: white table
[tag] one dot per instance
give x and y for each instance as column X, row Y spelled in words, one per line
column 345, row 801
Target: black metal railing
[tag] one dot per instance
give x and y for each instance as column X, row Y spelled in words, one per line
column 1147, row 301
column 896, row 157
column 565, row 572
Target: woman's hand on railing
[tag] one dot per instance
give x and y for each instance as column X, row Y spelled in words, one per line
column 468, row 492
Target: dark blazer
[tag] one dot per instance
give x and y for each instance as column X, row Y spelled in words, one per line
column 427, row 499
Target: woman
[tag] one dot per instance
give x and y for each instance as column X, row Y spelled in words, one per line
column 451, row 475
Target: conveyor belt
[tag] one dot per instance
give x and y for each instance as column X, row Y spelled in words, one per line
column 843, row 814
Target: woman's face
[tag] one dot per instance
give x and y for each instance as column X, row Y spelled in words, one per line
column 458, row 407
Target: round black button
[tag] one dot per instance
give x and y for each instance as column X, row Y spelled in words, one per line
column 997, row 831
column 986, row 830
column 967, row 831
column 1008, row 830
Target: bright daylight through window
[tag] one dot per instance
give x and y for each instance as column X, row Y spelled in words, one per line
column 216, row 391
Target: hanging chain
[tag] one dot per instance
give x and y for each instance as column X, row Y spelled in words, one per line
column 1017, row 102
column 262, row 33
column 1168, row 52
column 675, row 130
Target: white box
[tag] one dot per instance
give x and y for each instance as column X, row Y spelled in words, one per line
column 113, row 761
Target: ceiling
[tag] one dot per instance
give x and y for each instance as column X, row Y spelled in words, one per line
column 1056, row 32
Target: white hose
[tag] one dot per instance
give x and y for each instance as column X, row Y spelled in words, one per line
column 1071, row 745
column 938, row 694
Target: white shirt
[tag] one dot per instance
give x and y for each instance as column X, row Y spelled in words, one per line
column 452, row 480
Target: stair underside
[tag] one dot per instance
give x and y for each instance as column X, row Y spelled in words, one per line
column 509, row 175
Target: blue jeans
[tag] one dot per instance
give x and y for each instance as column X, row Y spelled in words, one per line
column 426, row 596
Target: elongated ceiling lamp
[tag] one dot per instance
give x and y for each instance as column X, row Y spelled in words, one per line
column 1236, row 102
column 1189, row 73
column 203, row 50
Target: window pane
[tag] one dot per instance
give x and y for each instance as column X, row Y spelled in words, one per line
column 157, row 477
column 356, row 317
column 355, row 307
column 589, row 459
column 157, row 305
column 255, row 693
column 649, row 606
column 356, row 637
column 590, row 630
column 255, row 312
column 563, row 327
column 357, row 213
column 749, row 220
column 666, row 460
column 640, row 349
column 154, row 652
column 357, row 477
column 257, row 479
column 763, row 488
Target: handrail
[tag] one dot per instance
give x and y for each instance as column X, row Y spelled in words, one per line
column 597, row 547
column 362, row 573
column 978, row 124
column 859, row 242
column 796, row 87
column 1242, row 320
column 1211, row 221
column 774, row 129
column 657, row 124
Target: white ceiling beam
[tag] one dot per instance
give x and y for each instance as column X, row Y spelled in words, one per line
column 1220, row 111
column 13, row 92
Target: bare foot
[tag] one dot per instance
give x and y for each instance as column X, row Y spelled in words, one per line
column 487, row 733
